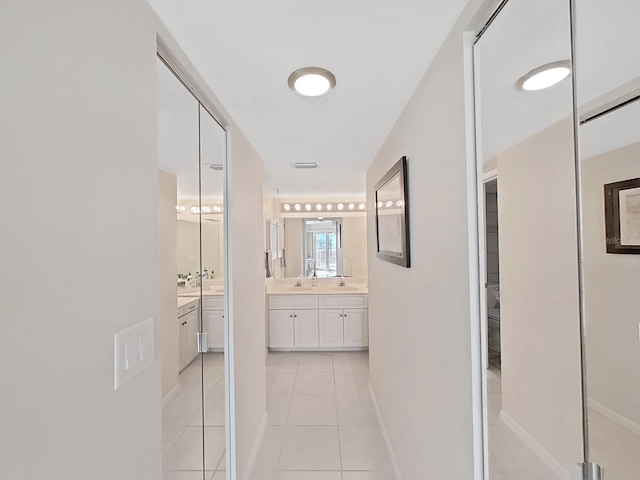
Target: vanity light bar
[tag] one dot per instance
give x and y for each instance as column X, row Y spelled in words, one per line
column 195, row 210
column 322, row 207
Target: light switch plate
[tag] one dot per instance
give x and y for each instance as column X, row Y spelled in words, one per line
column 134, row 352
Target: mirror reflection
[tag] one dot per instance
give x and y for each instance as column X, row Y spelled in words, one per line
column 608, row 91
column 192, row 155
column 326, row 247
column 531, row 305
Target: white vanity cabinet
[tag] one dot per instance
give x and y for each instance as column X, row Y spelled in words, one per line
column 344, row 321
column 318, row 322
column 188, row 324
column 213, row 319
column 293, row 321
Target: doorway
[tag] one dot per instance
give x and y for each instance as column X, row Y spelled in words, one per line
column 492, row 276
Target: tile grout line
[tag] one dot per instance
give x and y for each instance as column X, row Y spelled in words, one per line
column 286, row 421
column 335, row 394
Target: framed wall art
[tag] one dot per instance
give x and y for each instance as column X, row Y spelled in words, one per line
column 622, row 216
column 392, row 216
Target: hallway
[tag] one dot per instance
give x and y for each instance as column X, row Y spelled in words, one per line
column 322, row 424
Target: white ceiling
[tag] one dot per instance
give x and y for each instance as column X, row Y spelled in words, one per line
column 378, row 51
column 529, row 34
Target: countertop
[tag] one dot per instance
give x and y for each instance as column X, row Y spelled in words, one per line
column 306, row 289
column 188, row 297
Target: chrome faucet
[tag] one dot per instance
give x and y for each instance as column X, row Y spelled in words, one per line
column 341, row 282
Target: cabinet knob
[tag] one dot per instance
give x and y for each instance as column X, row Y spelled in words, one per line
column 295, row 316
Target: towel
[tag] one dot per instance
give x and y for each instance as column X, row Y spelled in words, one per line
column 267, row 265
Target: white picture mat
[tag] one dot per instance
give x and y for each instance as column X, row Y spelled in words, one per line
column 390, row 220
column 630, row 216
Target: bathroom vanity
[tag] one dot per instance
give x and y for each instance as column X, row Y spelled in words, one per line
column 318, row 318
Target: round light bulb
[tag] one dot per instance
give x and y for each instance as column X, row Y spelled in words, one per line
column 318, row 206
column 329, row 206
column 297, row 207
column 341, row 206
column 362, row 206
column 307, row 207
column 286, row 206
column 545, row 76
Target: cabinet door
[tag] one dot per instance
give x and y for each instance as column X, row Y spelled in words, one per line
column 305, row 328
column 330, row 325
column 191, row 329
column 215, row 321
column 281, row 328
column 356, row 328
column 182, row 343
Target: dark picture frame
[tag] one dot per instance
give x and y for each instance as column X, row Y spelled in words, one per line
column 392, row 215
column 622, row 222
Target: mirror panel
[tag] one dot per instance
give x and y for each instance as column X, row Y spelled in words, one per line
column 609, row 137
column 531, row 320
column 179, row 259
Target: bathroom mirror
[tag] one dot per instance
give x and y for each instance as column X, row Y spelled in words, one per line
column 530, row 314
column 608, row 94
column 307, row 239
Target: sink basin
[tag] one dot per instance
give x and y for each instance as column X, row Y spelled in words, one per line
column 303, row 288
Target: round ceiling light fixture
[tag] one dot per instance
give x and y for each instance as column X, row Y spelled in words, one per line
column 312, row 81
column 545, row 76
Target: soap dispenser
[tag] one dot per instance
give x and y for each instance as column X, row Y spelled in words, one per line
column 314, row 279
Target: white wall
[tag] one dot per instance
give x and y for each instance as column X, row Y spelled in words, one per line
column 611, row 292
column 419, row 317
column 354, row 246
column 78, row 148
column 247, row 282
column 540, row 326
column 168, row 334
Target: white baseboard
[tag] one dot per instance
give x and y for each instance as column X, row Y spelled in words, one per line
column 614, row 416
column 170, row 396
column 256, row 447
column 387, row 441
column 538, row 449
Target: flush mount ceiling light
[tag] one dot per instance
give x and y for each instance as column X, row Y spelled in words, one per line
column 545, row 76
column 305, row 165
column 312, row 81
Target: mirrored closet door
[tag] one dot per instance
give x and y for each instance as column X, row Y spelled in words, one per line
column 531, row 318
column 192, row 162
column 608, row 94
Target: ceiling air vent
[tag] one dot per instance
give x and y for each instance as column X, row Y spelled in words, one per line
column 305, row 165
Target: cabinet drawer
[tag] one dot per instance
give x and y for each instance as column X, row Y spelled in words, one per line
column 189, row 307
column 292, row 302
column 213, row 303
column 343, row 301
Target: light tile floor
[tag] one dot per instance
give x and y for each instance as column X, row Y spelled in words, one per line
column 509, row 457
column 322, row 425
column 182, row 420
column 613, row 447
